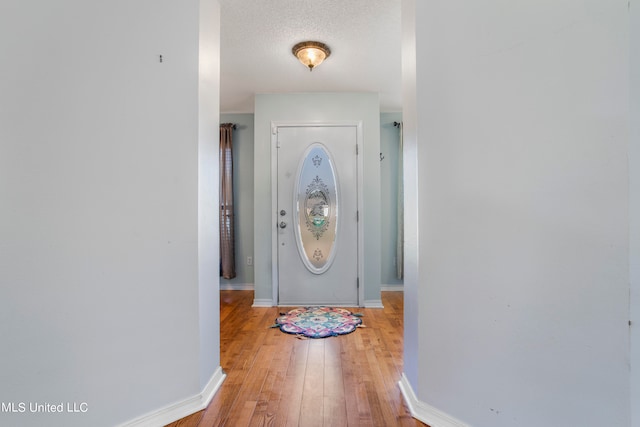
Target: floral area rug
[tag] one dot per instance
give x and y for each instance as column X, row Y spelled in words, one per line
column 318, row 322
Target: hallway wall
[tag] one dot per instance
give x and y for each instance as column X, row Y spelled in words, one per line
column 522, row 278
column 634, row 211
column 99, row 232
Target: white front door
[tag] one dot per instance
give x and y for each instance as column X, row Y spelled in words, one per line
column 317, row 214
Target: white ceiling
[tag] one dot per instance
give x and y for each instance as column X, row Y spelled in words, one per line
column 257, row 36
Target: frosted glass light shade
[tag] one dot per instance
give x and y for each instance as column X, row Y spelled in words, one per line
column 310, row 53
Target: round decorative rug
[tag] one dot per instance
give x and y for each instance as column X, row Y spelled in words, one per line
column 318, row 322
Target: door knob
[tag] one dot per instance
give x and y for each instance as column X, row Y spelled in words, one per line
column 283, row 224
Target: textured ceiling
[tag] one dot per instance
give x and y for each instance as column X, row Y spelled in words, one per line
column 257, row 37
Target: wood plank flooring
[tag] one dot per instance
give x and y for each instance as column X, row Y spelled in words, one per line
column 277, row 379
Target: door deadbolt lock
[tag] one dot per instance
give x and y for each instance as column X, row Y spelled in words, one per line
column 283, row 224
column 283, row 212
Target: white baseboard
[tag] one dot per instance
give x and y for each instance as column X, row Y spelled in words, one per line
column 424, row 412
column 236, row 286
column 373, row 303
column 179, row 410
column 394, row 287
column 263, row 303
column 269, row 303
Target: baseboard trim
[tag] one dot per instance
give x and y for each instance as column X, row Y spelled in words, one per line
column 425, row 412
column 394, row 287
column 373, row 303
column 236, row 286
column 263, row 303
column 176, row 411
column 212, row 386
column 269, row 303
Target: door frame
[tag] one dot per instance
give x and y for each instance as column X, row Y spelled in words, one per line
column 275, row 125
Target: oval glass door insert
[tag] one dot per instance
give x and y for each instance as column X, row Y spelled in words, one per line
column 316, row 199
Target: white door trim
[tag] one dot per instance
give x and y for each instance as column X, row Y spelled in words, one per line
column 274, row 198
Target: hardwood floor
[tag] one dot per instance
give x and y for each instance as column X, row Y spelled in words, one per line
column 277, row 379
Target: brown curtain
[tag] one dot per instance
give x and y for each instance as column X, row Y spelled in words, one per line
column 227, row 239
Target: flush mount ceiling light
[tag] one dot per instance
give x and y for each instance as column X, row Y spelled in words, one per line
column 311, row 54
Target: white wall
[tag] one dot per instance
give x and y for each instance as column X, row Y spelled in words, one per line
column 99, row 209
column 634, row 211
column 412, row 314
column 317, row 107
column 522, row 136
column 208, row 184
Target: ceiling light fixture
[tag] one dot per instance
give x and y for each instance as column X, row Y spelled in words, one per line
column 310, row 53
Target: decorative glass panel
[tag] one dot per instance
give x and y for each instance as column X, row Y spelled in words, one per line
column 316, row 196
